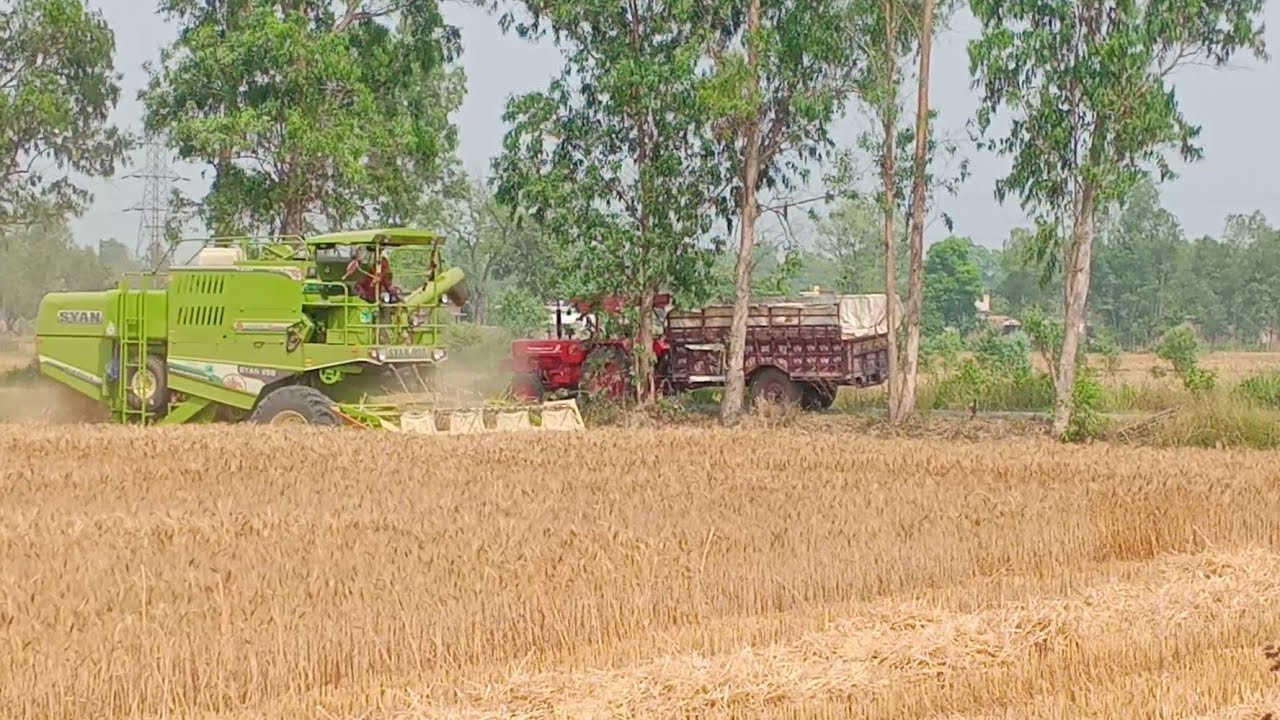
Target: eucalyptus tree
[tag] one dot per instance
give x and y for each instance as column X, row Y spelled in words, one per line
column 1088, row 84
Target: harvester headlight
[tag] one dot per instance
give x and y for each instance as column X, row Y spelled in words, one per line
column 378, row 355
column 438, row 354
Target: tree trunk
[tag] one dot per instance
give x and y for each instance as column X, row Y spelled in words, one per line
column 291, row 222
column 735, row 380
column 915, row 291
column 888, row 175
column 642, row 352
column 891, row 271
column 1077, row 275
column 479, row 306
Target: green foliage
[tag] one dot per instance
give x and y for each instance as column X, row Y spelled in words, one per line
column 1045, row 334
column 887, row 33
column 1180, row 349
column 1087, row 398
column 1103, row 342
column 770, row 276
column 1093, row 111
column 1135, row 266
column 1262, row 390
column 1004, row 354
column 494, row 245
column 520, row 313
column 1149, row 277
column 474, row 349
column 1088, row 85
column 807, row 68
column 1217, row 421
column 42, row 257
column 998, row 377
column 308, row 116
column 850, row 234
column 953, row 283
column 58, row 87
column 939, row 353
column 617, row 159
column 1020, row 284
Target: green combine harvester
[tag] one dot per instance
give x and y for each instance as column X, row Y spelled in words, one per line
column 277, row 331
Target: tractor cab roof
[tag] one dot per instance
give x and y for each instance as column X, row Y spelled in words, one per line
column 387, row 237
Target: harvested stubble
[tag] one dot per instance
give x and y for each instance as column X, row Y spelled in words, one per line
column 249, row 573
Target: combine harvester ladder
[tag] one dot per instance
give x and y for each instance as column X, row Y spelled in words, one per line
column 131, row 343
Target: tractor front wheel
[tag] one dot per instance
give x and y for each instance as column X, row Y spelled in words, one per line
column 295, row 405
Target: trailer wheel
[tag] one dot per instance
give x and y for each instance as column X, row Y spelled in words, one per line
column 817, row 396
column 148, row 386
column 773, row 386
column 295, row 405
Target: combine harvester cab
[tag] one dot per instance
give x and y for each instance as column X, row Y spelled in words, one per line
column 279, row 331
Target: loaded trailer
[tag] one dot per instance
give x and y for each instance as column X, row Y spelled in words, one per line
column 797, row 351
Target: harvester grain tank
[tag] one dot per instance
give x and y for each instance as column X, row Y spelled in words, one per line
column 277, row 331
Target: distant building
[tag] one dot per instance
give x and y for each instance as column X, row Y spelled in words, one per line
column 1004, row 323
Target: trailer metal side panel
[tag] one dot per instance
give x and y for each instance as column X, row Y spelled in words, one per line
column 803, row 340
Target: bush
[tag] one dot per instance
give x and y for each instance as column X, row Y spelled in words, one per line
column 1263, row 390
column 1180, row 349
column 1004, row 354
column 1220, row 422
column 464, row 335
column 998, row 377
column 521, row 313
column 1087, row 396
column 1141, row 398
column 1103, row 343
column 940, row 352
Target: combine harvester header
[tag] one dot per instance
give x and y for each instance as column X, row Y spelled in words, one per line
column 282, row 330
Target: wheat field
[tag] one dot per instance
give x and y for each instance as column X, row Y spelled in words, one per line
column 239, row 572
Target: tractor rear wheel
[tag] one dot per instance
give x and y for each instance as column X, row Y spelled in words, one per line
column 771, row 385
column 607, row 373
column 295, row 405
column 527, row 387
column 817, row 396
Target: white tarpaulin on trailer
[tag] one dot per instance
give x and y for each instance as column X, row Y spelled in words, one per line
column 864, row 316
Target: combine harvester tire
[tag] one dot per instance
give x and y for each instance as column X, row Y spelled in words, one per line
column 296, row 405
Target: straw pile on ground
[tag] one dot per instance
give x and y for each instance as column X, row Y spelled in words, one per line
column 239, row 572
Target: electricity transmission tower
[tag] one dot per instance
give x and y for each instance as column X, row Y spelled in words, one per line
column 158, row 178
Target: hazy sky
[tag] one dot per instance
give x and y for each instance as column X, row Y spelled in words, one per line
column 1237, row 108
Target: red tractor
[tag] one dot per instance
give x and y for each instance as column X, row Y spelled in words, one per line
column 595, row 363
column 797, row 351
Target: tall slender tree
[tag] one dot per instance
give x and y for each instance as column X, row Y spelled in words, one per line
column 1088, row 83
column 891, row 27
column 783, row 72
column 909, row 368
